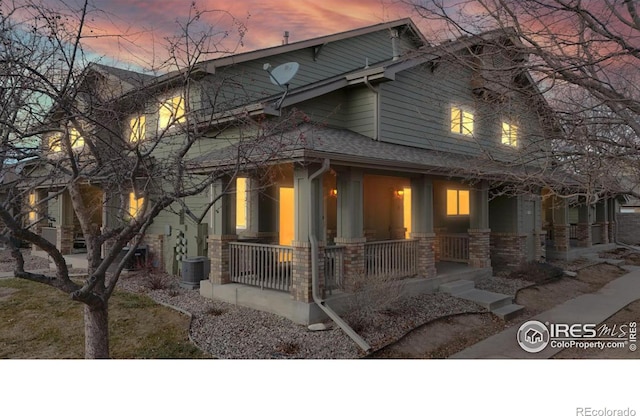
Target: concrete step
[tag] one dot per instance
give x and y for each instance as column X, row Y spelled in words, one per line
column 486, row 299
column 615, row 262
column 508, row 312
column 457, row 286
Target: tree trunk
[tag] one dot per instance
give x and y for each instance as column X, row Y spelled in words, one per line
column 96, row 331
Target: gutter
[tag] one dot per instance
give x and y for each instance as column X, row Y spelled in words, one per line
column 314, row 269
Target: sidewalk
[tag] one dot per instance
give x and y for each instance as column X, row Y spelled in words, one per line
column 592, row 308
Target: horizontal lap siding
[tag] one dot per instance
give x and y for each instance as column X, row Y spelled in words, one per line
column 415, row 111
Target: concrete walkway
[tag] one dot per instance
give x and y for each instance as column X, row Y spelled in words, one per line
column 592, row 308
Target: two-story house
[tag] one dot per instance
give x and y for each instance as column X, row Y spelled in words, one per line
column 381, row 156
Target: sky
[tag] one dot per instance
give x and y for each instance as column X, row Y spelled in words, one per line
column 148, row 22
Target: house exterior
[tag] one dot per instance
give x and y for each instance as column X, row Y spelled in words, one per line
column 393, row 160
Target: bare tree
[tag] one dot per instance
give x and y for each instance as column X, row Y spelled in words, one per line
column 62, row 122
column 582, row 56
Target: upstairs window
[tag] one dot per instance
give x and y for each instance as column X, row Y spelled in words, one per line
column 135, row 205
column 509, row 134
column 457, row 202
column 461, row 121
column 55, row 141
column 171, row 111
column 76, row 139
column 138, row 129
column 55, row 144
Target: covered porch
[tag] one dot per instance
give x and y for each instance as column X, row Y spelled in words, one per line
column 577, row 228
column 370, row 225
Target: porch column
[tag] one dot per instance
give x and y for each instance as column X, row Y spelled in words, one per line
column 64, row 238
column 422, row 224
column 602, row 219
column 479, row 233
column 308, row 217
column 350, row 228
column 584, row 224
column 223, row 229
column 611, row 212
column 560, row 224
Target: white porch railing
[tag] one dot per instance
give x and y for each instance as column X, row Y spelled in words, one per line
column 333, row 267
column 393, row 258
column 454, row 247
column 264, row 265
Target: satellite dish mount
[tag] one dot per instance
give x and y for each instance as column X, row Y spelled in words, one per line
column 281, row 76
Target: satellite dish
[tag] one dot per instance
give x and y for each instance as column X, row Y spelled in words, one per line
column 282, row 74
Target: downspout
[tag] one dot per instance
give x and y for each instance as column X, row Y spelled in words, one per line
column 376, row 106
column 314, row 269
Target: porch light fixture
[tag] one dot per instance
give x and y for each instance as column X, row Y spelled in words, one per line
column 398, row 193
column 333, row 192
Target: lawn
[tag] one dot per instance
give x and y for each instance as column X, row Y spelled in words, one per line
column 37, row 321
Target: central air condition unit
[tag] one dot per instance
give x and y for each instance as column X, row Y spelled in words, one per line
column 193, row 271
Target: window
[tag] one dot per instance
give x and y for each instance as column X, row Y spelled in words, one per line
column 286, row 216
column 509, row 134
column 138, row 129
column 135, row 205
column 241, row 203
column 32, row 206
column 171, row 110
column 461, row 121
column 76, row 139
column 54, row 143
column 457, row 202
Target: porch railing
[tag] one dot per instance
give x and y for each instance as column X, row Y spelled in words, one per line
column 394, row 258
column 573, row 231
column 264, row 265
column 333, row 267
column 454, row 247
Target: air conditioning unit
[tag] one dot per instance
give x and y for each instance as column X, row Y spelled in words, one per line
column 193, row 271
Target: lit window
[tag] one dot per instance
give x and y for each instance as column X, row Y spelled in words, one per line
column 76, row 139
column 461, row 121
column 241, row 203
column 135, row 205
column 509, row 134
column 286, row 216
column 457, row 202
column 138, row 126
column 32, row 205
column 171, row 110
column 54, row 143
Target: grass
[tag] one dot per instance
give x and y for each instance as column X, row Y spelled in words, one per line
column 37, row 321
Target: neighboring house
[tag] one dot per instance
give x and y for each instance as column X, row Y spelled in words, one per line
column 395, row 168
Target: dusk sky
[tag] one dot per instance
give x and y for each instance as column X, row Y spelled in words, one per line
column 149, row 21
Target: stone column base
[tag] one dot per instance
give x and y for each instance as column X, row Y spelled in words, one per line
column 219, row 256
column 64, row 239
column 479, row 248
column 561, row 237
column 302, row 271
column 426, row 254
column 354, row 261
column 584, row 235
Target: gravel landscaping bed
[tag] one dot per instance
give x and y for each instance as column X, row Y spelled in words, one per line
column 7, row 262
column 229, row 331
